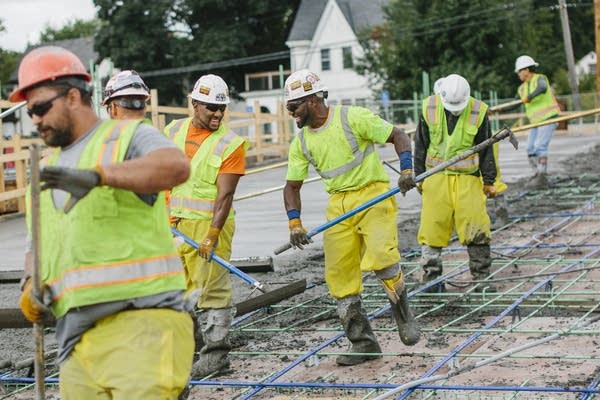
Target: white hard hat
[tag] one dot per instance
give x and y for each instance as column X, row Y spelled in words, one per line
column 524, row 62
column 455, row 92
column 302, row 83
column 210, row 89
column 438, row 85
column 125, row 83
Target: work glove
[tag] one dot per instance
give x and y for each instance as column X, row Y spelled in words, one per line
column 298, row 236
column 489, row 190
column 30, row 306
column 207, row 246
column 406, row 181
column 77, row 182
column 419, row 186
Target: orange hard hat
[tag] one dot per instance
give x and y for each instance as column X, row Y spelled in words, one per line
column 47, row 63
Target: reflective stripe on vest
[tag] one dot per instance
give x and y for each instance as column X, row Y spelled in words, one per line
column 112, row 274
column 467, row 164
column 342, row 169
column 432, row 105
column 175, row 128
column 108, row 154
column 189, row 203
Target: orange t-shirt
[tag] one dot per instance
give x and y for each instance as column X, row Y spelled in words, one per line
column 234, row 164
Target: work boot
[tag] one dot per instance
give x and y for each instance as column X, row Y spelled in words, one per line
column 214, row 358
column 431, row 261
column 533, row 163
column 358, row 331
column 540, row 181
column 215, row 345
column 480, row 262
column 407, row 326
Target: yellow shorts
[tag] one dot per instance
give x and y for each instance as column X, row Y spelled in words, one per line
column 134, row 354
column 367, row 241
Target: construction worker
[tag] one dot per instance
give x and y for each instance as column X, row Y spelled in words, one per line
column 110, row 273
column 451, row 122
column 540, row 105
column 339, row 143
column 202, row 209
column 125, row 96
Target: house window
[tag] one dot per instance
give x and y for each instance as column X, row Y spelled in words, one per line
column 325, row 60
column 347, row 57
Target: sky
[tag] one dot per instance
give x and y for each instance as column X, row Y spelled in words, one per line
column 25, row 19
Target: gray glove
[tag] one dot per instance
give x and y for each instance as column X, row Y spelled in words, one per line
column 406, row 180
column 77, row 182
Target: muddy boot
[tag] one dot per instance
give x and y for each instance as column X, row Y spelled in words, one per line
column 393, row 283
column 214, row 354
column 498, row 211
column 480, row 262
column 540, row 181
column 533, row 163
column 431, row 261
column 358, row 331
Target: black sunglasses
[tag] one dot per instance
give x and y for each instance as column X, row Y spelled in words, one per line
column 213, row 107
column 40, row 109
column 293, row 106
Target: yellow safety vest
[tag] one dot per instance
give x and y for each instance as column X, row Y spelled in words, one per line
column 541, row 107
column 195, row 199
column 443, row 146
column 111, row 246
column 345, row 154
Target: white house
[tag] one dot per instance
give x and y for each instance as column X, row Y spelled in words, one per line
column 586, row 65
column 323, row 39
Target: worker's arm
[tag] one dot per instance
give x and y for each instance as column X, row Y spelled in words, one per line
column 402, row 146
column 226, row 185
column 293, row 205
column 487, row 164
column 158, row 170
column 421, row 146
column 540, row 88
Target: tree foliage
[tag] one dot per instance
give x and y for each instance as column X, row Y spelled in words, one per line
column 8, row 63
column 479, row 39
column 162, row 34
column 72, row 30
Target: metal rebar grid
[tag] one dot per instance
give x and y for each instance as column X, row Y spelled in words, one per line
column 288, row 350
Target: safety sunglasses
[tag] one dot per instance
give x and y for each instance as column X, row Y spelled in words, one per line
column 41, row 109
column 293, row 105
column 214, row 107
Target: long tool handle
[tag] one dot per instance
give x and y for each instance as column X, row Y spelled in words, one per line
column 38, row 328
column 502, row 134
column 231, row 268
column 12, row 109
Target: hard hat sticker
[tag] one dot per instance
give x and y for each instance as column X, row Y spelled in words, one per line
column 221, row 97
column 307, row 86
column 204, row 90
column 295, row 85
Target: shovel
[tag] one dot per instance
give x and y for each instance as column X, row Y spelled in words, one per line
column 500, row 135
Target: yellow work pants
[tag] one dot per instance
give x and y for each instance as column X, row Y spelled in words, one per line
column 453, row 202
column 213, row 279
column 367, row 241
column 134, row 354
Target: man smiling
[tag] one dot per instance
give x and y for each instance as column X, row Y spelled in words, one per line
column 201, row 208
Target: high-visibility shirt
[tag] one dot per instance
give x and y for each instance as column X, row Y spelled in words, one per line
column 542, row 106
column 195, row 198
column 342, row 150
column 111, row 246
column 444, row 146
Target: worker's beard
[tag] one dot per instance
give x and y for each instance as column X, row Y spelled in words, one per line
column 301, row 122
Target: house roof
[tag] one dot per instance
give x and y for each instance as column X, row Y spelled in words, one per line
column 82, row 47
column 359, row 14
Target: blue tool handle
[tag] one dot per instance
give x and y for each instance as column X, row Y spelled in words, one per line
column 230, row 267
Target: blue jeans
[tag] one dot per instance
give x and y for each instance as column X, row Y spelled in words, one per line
column 539, row 139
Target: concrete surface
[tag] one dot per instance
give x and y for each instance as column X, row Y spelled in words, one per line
column 262, row 222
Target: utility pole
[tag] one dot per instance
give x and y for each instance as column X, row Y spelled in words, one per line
column 564, row 20
column 597, row 30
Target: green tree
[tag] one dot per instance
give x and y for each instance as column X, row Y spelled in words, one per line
column 163, row 34
column 479, row 39
column 72, row 30
column 8, row 63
